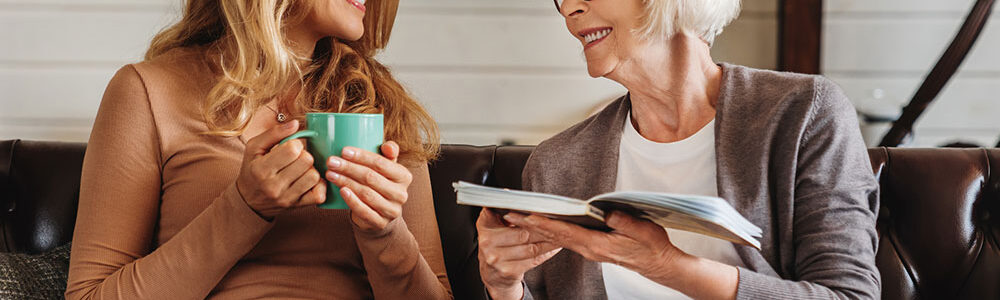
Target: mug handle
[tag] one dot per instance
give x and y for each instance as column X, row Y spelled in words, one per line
column 301, row 134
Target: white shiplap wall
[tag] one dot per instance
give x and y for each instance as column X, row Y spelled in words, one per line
column 487, row 70
column 58, row 55
column 890, row 45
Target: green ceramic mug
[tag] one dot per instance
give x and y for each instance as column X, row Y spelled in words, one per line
column 328, row 133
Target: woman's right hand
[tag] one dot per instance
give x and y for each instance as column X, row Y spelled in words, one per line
column 276, row 178
column 506, row 253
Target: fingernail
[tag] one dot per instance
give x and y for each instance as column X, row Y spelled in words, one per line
column 348, row 152
column 532, row 220
column 332, row 176
column 346, row 192
column 335, row 163
column 290, row 125
column 614, row 219
column 611, row 217
column 513, row 218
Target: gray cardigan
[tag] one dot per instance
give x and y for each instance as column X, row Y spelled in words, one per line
column 790, row 158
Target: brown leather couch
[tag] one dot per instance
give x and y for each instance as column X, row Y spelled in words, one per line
column 939, row 222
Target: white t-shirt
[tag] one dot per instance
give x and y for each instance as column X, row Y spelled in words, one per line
column 683, row 167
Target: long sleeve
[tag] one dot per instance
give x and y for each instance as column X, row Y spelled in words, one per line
column 113, row 255
column 836, row 203
column 405, row 260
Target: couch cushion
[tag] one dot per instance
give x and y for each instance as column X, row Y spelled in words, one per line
column 467, row 163
column 937, row 231
column 39, row 189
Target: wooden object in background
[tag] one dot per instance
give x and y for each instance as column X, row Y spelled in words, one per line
column 800, row 26
column 942, row 72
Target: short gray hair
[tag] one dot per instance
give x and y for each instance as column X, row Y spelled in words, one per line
column 701, row 18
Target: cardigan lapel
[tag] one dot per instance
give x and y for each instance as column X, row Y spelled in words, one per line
column 735, row 181
column 601, row 160
column 569, row 275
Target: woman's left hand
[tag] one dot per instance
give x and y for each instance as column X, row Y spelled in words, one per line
column 373, row 186
column 637, row 244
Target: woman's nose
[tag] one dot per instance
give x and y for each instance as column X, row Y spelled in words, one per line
column 570, row 8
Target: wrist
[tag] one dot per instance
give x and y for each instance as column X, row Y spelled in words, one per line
column 506, row 292
column 372, row 233
column 239, row 193
column 701, row 278
column 667, row 267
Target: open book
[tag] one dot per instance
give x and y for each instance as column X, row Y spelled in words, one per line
column 705, row 215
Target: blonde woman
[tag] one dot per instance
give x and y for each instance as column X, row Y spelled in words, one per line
column 185, row 195
column 784, row 149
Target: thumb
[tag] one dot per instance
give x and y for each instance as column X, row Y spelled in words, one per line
column 390, row 150
column 488, row 219
column 262, row 143
column 640, row 229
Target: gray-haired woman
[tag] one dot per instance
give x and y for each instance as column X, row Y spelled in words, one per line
column 784, row 149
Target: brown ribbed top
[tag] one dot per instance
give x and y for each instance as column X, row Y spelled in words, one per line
column 160, row 217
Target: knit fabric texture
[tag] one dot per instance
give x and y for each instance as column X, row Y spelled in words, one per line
column 39, row 276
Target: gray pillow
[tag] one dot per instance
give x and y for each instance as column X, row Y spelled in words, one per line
column 40, row 276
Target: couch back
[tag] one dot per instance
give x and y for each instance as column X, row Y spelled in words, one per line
column 39, row 187
column 939, row 221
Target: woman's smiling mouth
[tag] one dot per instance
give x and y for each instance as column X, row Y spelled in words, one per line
column 360, row 4
column 594, row 35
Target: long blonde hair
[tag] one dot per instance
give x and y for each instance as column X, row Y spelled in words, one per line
column 258, row 66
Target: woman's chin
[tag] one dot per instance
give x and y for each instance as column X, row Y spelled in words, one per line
column 355, row 35
column 347, row 33
column 597, row 71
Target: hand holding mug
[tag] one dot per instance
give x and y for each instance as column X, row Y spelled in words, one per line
column 274, row 179
column 373, row 186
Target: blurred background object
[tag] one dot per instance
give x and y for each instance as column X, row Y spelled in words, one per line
column 943, row 71
column 880, row 52
column 496, row 72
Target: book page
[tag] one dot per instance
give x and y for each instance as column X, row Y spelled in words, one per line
column 477, row 195
column 709, row 216
column 709, row 224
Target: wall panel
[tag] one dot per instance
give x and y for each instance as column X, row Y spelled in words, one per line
column 488, row 71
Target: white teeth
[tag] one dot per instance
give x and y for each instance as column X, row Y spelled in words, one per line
column 596, row 36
